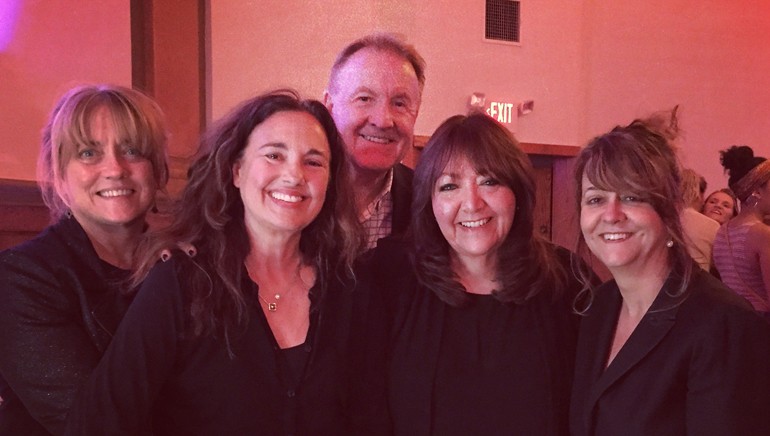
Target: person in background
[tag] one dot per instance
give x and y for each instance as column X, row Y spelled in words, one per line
column 721, row 205
column 483, row 331
column 699, row 230
column 374, row 94
column 252, row 334
column 742, row 245
column 101, row 164
column 664, row 348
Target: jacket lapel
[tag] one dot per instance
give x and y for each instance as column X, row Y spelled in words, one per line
column 653, row 327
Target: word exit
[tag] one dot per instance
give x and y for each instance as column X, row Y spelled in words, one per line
column 503, row 112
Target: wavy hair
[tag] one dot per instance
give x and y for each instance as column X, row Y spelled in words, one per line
column 638, row 159
column 138, row 121
column 527, row 265
column 210, row 215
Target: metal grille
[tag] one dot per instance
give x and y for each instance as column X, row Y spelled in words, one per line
column 503, row 20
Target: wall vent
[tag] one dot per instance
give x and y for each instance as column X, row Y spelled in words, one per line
column 503, row 21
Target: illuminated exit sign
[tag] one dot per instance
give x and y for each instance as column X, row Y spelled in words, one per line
column 503, row 112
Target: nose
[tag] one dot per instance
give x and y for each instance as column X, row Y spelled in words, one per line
column 294, row 173
column 613, row 211
column 382, row 115
column 114, row 166
column 471, row 199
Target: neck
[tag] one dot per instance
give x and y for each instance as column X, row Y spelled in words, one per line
column 639, row 289
column 748, row 214
column 478, row 274
column 367, row 185
column 115, row 245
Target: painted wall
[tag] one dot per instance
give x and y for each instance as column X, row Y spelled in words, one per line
column 711, row 57
column 588, row 65
column 263, row 44
column 51, row 46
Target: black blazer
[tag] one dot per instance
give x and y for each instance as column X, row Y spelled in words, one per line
column 58, row 310
column 695, row 365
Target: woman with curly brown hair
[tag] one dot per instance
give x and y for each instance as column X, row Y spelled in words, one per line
column 251, row 335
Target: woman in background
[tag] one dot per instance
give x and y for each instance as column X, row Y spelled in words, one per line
column 742, row 246
column 101, row 163
column 721, row 205
column 251, row 335
column 664, row 348
column 484, row 332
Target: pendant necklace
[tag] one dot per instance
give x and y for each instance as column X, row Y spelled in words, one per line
column 272, row 307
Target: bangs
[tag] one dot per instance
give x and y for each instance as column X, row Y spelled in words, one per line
column 129, row 126
column 619, row 165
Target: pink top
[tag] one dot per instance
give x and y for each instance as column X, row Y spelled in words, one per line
column 740, row 271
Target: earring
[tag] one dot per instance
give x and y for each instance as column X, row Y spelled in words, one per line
column 670, row 243
column 753, row 199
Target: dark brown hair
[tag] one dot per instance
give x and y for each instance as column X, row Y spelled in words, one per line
column 527, row 265
column 210, row 215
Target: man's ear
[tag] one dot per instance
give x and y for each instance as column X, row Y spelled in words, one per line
column 327, row 100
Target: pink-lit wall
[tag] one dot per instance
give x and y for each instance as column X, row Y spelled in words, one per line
column 711, row 57
column 52, row 46
column 588, row 65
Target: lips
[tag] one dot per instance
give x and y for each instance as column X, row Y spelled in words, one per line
column 286, row 197
column 619, row 236
column 111, row 193
column 474, row 224
column 378, row 139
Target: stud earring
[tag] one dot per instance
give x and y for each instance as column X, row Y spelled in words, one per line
column 670, row 243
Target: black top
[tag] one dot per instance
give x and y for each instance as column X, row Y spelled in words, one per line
column 697, row 364
column 156, row 371
column 489, row 368
column 59, row 305
column 492, row 368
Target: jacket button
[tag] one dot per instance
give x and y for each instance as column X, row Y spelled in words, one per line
column 291, row 393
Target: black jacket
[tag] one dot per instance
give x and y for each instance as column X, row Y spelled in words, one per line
column 695, row 365
column 58, row 309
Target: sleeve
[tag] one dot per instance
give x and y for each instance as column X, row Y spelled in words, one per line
column 729, row 378
column 118, row 397
column 45, row 352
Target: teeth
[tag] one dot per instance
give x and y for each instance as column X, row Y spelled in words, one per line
column 286, row 197
column 478, row 223
column 114, row 192
column 615, row 236
column 376, row 139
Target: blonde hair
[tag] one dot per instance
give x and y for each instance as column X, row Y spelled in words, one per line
column 137, row 118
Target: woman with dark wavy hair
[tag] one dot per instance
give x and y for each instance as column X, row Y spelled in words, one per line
column 484, row 332
column 249, row 336
column 664, row 347
column 742, row 245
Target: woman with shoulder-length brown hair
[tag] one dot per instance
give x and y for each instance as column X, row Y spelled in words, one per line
column 664, row 348
column 102, row 162
column 250, row 335
column 484, row 334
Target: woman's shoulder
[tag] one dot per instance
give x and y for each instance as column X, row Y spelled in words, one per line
column 57, row 243
column 710, row 301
